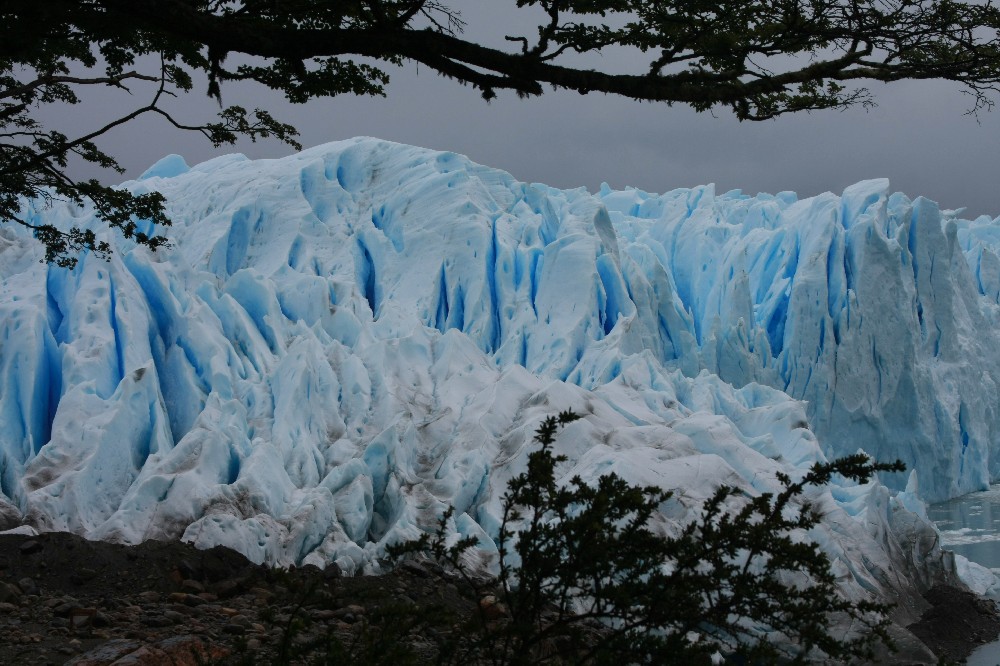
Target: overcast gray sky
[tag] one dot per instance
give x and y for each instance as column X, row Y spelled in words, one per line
column 918, row 136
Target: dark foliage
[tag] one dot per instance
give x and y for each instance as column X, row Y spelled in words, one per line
column 760, row 59
column 585, row 576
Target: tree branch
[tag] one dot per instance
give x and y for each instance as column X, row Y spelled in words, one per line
column 489, row 69
column 114, row 81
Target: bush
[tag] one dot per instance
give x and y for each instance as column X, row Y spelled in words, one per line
column 584, row 578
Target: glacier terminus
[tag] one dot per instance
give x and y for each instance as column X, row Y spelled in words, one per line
column 340, row 344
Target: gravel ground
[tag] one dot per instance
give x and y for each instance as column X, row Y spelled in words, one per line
column 66, row 600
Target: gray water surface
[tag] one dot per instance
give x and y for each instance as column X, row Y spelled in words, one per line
column 970, row 526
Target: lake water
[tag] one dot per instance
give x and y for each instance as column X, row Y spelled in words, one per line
column 970, row 526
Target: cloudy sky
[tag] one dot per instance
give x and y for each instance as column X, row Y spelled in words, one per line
column 918, row 136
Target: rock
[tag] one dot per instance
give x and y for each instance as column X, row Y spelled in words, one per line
column 64, row 605
column 10, row 515
column 147, row 655
column 82, row 617
column 82, row 575
column 415, row 568
column 262, row 593
column 188, row 568
column 192, row 586
column 182, row 609
column 30, row 547
column 28, row 585
column 185, row 598
column 106, row 653
column 209, row 609
column 156, row 621
column 9, row 593
column 229, row 588
column 323, row 614
column 175, row 617
column 240, row 619
column 349, row 614
column 188, row 650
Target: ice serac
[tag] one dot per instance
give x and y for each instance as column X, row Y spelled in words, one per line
column 342, row 343
column 878, row 311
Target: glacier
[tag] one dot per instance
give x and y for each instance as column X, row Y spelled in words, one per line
column 341, row 343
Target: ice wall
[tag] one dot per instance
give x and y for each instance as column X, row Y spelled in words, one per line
column 879, row 311
column 343, row 342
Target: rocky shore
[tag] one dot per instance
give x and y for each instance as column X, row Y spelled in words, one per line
column 66, row 600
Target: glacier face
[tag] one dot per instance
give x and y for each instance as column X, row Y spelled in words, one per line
column 341, row 343
column 879, row 311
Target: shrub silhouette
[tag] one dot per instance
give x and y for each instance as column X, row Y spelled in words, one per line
column 584, row 576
